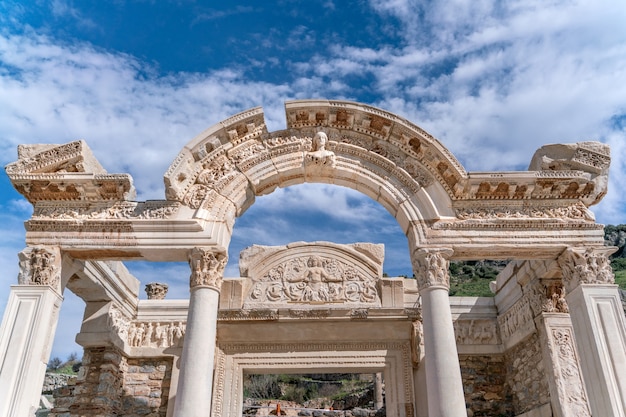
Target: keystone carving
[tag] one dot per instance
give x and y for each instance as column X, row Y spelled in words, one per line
column 319, row 155
column 207, row 268
column 431, row 268
column 40, row 266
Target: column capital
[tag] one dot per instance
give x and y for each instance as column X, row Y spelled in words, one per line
column 586, row 266
column 207, row 268
column 546, row 296
column 40, row 265
column 430, row 266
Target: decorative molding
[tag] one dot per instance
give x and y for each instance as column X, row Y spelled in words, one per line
column 207, row 268
column 309, row 314
column 577, row 211
column 431, row 267
column 245, row 315
column 519, row 318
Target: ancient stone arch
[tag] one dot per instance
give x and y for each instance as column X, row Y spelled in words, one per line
column 556, row 307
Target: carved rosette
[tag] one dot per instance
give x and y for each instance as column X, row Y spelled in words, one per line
column 431, row 268
column 207, row 268
column 586, row 266
column 40, row 266
column 156, row 290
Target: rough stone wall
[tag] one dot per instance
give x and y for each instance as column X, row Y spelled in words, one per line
column 526, row 375
column 484, row 384
column 146, row 387
column 108, row 384
column 97, row 389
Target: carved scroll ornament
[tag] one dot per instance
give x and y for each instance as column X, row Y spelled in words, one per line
column 431, row 268
column 40, row 266
column 207, row 268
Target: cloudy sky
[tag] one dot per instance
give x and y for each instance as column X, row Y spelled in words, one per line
column 492, row 80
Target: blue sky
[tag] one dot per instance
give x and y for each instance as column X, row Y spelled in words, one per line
column 492, row 80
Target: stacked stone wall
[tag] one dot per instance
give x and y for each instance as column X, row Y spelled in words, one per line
column 526, row 375
column 146, row 387
column 97, row 389
column 484, row 385
column 109, row 384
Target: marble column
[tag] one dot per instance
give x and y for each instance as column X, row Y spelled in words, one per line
column 195, row 381
column 27, row 330
column 599, row 327
column 444, row 385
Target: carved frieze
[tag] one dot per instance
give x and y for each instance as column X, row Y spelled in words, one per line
column 577, row 211
column 118, row 324
column 586, row 266
column 519, row 318
column 318, row 313
column 314, row 279
column 257, row 314
column 120, row 210
column 476, row 332
column 156, row 334
column 431, row 268
column 207, row 268
column 40, row 265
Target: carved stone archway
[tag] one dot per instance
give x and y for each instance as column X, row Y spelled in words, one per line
column 85, row 222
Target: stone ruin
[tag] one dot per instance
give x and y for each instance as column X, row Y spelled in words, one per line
column 551, row 342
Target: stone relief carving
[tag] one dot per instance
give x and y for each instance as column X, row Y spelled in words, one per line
column 476, row 332
column 568, row 379
column 359, row 313
column 576, row 211
column 517, row 318
column 319, row 155
column 120, row 210
column 313, row 280
column 156, row 290
column 118, row 324
column 588, row 266
column 309, row 314
column 257, row 314
column 156, row 334
column 207, row 268
column 417, row 342
column 40, row 266
column 431, row 268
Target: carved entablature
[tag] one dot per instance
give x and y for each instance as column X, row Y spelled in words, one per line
column 67, row 172
column 319, row 273
column 480, row 212
column 586, row 266
column 40, row 265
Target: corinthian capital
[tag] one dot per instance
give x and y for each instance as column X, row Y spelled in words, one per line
column 40, row 266
column 586, row 266
column 431, row 267
column 207, row 268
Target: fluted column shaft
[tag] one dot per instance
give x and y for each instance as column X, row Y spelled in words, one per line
column 444, row 385
column 195, row 382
